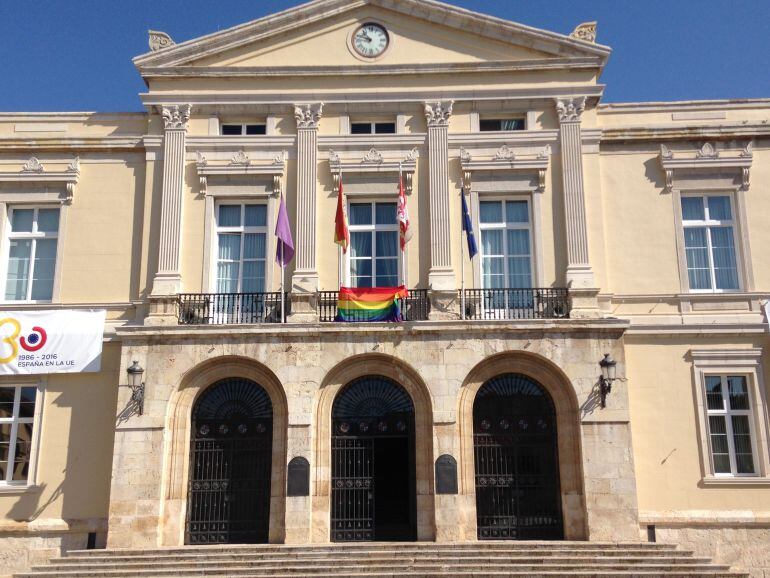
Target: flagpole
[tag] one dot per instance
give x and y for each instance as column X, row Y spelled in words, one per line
column 403, row 251
column 283, row 296
column 462, row 254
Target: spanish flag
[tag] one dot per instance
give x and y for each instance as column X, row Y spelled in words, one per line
column 341, row 231
column 370, row 304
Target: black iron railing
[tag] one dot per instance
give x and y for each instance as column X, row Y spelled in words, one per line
column 416, row 307
column 231, row 308
column 550, row 303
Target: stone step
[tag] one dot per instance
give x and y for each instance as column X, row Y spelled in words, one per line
column 539, row 573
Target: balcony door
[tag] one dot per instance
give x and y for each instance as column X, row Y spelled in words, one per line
column 241, row 263
column 374, row 259
column 506, row 257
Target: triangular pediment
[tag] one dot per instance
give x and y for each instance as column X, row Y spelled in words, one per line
column 318, row 34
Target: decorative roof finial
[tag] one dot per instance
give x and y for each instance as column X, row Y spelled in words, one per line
column 585, row 31
column 159, row 40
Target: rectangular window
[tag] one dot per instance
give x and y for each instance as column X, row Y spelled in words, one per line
column 33, row 235
column 709, row 242
column 501, row 124
column 373, row 128
column 17, row 417
column 241, row 248
column 243, row 129
column 729, row 423
column 506, row 244
column 374, row 245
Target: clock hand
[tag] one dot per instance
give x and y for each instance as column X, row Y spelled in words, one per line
column 365, row 37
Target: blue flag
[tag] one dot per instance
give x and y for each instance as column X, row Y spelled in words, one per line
column 468, row 228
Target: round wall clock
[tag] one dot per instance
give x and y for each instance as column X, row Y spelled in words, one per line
column 371, row 40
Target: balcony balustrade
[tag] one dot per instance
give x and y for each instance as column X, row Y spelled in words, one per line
column 231, row 308
column 512, row 304
column 414, row 308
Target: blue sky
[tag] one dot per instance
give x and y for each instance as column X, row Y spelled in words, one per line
column 64, row 55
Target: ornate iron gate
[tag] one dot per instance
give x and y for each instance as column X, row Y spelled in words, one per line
column 230, row 465
column 516, row 459
column 370, row 416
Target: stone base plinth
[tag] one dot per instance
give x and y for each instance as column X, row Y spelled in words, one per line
column 444, row 305
column 304, row 307
column 163, row 310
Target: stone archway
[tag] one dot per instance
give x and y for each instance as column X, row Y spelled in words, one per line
column 341, row 375
column 558, row 386
column 176, row 463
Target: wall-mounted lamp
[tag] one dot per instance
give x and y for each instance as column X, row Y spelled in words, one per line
column 135, row 372
column 609, row 374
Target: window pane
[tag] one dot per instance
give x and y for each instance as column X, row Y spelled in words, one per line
column 5, row 444
column 256, row 215
column 714, row 392
column 491, row 212
column 361, row 128
column 513, row 124
column 489, row 125
column 387, row 273
column 27, row 402
column 361, row 272
column 725, row 267
column 227, row 277
column 18, row 269
column 45, row 265
column 6, row 401
column 48, row 220
column 252, row 129
column 493, row 272
column 387, row 243
column 253, row 277
column 23, row 451
column 385, row 128
column 738, row 392
column 229, row 247
column 229, row 215
column 744, row 457
column 518, row 242
column 719, row 209
column 360, row 244
column 719, row 446
column 692, row 209
column 360, row 214
column 254, row 246
column 519, row 276
column 696, row 249
column 492, row 242
column 21, row 220
column 231, row 129
column 517, row 211
column 385, row 214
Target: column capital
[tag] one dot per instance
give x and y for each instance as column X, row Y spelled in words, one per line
column 175, row 116
column 570, row 109
column 308, row 115
column 438, row 112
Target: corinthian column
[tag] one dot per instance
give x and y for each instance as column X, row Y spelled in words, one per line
column 440, row 276
column 168, row 279
column 579, row 272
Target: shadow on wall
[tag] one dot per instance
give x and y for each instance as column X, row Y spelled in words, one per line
column 654, row 174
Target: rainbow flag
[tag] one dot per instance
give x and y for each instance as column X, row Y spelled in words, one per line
column 370, row 304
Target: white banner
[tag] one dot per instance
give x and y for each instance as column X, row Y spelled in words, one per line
column 58, row 341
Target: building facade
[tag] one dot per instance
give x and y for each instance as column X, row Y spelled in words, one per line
column 620, row 229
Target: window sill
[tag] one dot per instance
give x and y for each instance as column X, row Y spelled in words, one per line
column 19, row 489
column 715, row 481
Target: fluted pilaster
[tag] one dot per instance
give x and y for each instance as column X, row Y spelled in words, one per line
column 579, row 272
column 168, row 280
column 306, row 273
column 441, row 275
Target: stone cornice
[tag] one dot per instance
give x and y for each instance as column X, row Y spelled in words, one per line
column 242, row 165
column 533, row 94
column 217, row 142
column 507, row 158
column 683, row 105
column 582, row 63
column 71, row 143
column 34, row 172
column 276, row 25
column 671, row 132
column 709, row 156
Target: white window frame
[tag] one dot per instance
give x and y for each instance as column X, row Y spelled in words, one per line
column 743, row 362
column 708, row 223
column 243, row 230
column 8, row 236
column 727, row 413
column 505, row 226
column 373, row 228
column 243, row 126
column 31, row 481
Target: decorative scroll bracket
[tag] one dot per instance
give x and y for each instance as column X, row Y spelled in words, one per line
column 707, row 157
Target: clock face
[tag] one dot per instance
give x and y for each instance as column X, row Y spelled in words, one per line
column 370, row 40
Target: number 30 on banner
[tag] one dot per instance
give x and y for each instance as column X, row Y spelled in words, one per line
column 34, row 342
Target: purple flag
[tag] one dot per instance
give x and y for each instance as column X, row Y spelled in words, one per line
column 285, row 250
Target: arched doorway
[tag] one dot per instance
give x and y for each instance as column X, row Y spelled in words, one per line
column 373, row 463
column 516, row 461
column 230, row 465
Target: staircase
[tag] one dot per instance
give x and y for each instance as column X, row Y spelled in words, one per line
column 388, row 560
